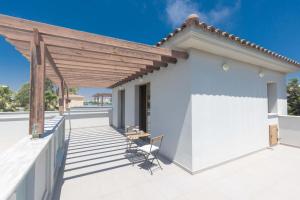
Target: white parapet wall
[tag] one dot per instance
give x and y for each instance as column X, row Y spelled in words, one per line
column 289, row 130
column 29, row 169
column 87, row 117
column 14, row 126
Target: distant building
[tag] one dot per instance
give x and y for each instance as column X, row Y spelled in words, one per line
column 102, row 98
column 76, row 100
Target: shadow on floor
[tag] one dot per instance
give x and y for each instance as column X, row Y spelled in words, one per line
column 95, row 150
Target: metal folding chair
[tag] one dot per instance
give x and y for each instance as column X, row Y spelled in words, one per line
column 151, row 149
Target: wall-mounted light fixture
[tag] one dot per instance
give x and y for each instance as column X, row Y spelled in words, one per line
column 261, row 74
column 225, row 67
column 141, row 79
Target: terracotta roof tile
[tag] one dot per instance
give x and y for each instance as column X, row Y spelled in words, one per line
column 193, row 20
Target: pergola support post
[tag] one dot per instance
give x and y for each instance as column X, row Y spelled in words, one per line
column 37, row 85
column 61, row 98
column 67, row 99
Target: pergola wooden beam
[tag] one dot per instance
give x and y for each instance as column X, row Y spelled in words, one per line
column 155, row 65
column 115, row 69
column 58, row 52
column 87, row 77
column 82, row 59
column 23, row 24
column 131, row 77
column 92, row 71
column 57, row 41
column 91, row 77
column 75, row 60
column 84, row 82
column 99, row 68
column 102, row 82
column 95, row 70
column 88, row 85
column 99, row 65
column 53, row 65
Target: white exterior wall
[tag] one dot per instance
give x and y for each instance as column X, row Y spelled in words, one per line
column 129, row 104
column 230, row 110
column 170, row 90
column 115, row 107
column 208, row 116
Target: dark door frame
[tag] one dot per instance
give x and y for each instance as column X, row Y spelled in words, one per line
column 121, row 109
column 143, row 107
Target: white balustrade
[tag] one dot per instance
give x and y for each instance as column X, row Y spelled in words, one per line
column 289, row 130
column 29, row 169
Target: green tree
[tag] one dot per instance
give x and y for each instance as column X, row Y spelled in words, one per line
column 49, row 85
column 51, row 98
column 293, row 97
column 22, row 96
column 6, row 99
column 73, row 90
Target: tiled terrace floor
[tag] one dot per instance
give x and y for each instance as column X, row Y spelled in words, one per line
column 97, row 167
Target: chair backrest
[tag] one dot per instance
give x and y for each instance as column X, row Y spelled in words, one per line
column 157, row 139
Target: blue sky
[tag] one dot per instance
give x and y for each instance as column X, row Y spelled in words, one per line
column 274, row 24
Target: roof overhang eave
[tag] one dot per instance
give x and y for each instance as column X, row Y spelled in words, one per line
column 195, row 38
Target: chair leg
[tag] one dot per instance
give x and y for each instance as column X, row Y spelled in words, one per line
column 133, row 161
column 151, row 163
column 155, row 156
column 128, row 144
column 147, row 160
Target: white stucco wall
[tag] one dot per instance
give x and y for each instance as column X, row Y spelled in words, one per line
column 14, row 127
column 208, row 116
column 170, row 90
column 29, row 168
column 230, row 110
column 115, row 107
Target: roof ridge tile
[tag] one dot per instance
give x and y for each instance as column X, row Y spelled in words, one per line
column 193, row 20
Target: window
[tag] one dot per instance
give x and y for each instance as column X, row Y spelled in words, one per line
column 272, row 97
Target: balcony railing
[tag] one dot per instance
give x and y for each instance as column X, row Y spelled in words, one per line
column 29, row 169
column 289, row 130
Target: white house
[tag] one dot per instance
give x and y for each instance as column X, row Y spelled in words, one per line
column 215, row 106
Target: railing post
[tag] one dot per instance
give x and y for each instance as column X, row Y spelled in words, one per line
column 61, row 97
column 37, row 85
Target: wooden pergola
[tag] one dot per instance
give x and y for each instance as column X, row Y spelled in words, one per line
column 97, row 97
column 71, row 58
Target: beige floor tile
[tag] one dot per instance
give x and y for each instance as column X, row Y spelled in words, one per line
column 98, row 167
